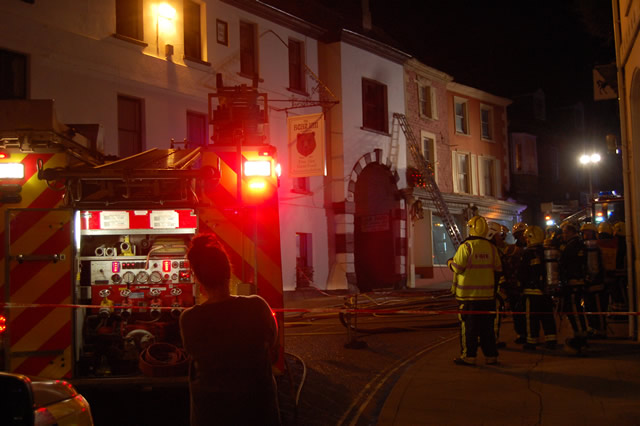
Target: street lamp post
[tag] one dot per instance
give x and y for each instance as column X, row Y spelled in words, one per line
column 589, row 161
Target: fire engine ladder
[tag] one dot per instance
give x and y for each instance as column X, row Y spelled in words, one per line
column 426, row 169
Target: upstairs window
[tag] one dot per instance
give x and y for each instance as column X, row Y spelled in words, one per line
column 296, row 66
column 426, row 101
column 13, row 75
column 488, row 170
column 461, row 116
column 192, row 34
column 129, row 19
column 248, row 51
column 374, row 105
column 462, row 173
column 486, row 122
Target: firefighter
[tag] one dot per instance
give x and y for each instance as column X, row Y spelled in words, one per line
column 496, row 235
column 572, row 270
column 553, row 236
column 476, row 267
column 511, row 258
column 595, row 298
column 536, row 301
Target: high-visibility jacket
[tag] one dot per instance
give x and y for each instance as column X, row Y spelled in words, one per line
column 474, row 266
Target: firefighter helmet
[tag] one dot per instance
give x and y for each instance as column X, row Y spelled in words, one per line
column 518, row 227
column 504, row 230
column 552, row 230
column 534, row 235
column 494, row 228
column 570, row 225
column 588, row 227
column 478, row 226
column 605, row 228
column 619, row 229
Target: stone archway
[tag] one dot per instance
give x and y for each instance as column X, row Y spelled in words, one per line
column 394, row 257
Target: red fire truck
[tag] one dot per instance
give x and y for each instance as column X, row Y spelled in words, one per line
column 93, row 252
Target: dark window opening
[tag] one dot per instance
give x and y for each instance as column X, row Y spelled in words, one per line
column 192, row 35
column 13, row 75
column 129, row 18
column 197, row 129
column 296, row 65
column 248, row 65
column 130, row 126
column 374, row 105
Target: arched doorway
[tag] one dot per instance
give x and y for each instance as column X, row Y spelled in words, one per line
column 375, row 196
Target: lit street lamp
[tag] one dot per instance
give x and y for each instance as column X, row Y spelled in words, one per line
column 589, row 161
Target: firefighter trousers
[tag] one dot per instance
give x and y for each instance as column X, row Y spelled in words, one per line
column 573, row 307
column 539, row 310
column 476, row 328
column 596, row 300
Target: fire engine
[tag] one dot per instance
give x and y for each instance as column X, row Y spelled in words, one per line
column 94, row 251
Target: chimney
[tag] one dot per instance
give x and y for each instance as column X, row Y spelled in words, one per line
column 366, row 15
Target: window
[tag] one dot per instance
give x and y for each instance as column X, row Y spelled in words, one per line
column 13, row 75
column 130, row 126
column 129, row 18
column 301, row 185
column 296, row 66
column 426, row 101
column 443, row 248
column 304, row 258
column 197, row 129
column 374, row 105
column 462, row 172
column 518, row 157
column 248, row 62
column 488, row 170
column 192, row 35
column 486, row 122
column 428, row 148
column 462, row 124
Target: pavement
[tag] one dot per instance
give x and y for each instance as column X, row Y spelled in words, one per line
column 541, row 387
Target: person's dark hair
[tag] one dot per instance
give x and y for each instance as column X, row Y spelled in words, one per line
column 209, row 261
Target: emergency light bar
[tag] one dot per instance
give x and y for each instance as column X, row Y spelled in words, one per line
column 257, row 168
column 11, row 171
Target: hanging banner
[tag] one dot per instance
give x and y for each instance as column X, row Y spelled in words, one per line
column 306, row 145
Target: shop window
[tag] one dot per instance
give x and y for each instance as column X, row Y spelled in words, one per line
column 443, row 248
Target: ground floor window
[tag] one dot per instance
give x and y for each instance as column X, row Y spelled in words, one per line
column 443, row 248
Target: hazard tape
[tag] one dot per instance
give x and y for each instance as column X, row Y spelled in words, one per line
column 317, row 310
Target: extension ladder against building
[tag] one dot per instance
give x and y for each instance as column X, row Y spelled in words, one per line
column 426, row 169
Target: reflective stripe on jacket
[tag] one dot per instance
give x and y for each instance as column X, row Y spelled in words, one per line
column 474, row 266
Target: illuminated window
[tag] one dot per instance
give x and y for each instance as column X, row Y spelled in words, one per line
column 129, row 18
column 488, row 171
column 192, row 34
column 486, row 122
column 248, row 50
column 197, row 129
column 461, row 116
column 374, row 105
column 296, row 66
column 13, row 75
column 130, row 126
column 427, row 101
column 443, row 248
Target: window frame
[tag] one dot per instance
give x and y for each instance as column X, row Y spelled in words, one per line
column 248, row 51
column 297, row 68
column 457, row 173
column 374, row 112
column 140, row 121
column 130, row 20
column 489, row 123
column 488, row 165
column 433, row 158
column 464, row 118
column 432, row 112
column 192, row 30
column 12, row 80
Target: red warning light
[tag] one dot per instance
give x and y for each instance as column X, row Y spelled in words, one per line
column 166, row 266
column 257, row 184
column 115, row 267
column 3, row 324
column 4, row 155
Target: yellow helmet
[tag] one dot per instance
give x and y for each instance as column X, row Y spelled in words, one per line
column 619, row 229
column 534, row 235
column 605, row 228
column 588, row 227
column 478, row 226
column 569, row 224
column 494, row 228
column 518, row 227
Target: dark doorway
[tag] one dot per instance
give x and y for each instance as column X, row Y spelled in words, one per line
column 374, row 253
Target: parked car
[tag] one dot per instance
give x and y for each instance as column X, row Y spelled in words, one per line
column 35, row 401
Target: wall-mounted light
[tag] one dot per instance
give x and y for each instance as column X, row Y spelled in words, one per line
column 165, row 25
column 165, row 10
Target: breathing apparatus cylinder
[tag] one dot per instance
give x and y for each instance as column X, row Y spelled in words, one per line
column 551, row 258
